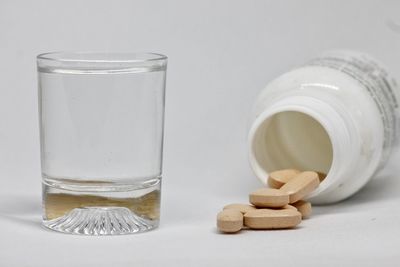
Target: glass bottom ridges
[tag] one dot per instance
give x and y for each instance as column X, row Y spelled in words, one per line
column 77, row 208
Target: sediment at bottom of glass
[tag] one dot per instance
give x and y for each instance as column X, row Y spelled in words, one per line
column 103, row 212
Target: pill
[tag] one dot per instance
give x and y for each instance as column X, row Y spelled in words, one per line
column 243, row 208
column 272, row 219
column 277, row 179
column 230, row 221
column 301, row 185
column 304, row 207
column 289, row 207
column 321, row 176
column 269, row 198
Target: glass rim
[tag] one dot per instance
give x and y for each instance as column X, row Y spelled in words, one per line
column 93, row 62
column 92, row 56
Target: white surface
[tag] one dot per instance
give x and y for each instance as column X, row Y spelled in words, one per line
column 221, row 55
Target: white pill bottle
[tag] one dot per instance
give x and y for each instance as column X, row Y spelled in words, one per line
column 338, row 114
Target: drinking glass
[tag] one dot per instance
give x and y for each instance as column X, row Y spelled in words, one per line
column 101, row 135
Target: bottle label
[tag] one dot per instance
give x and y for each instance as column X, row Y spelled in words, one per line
column 379, row 84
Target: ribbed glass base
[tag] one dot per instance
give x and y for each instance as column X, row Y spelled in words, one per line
column 100, row 212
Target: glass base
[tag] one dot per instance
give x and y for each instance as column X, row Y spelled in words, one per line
column 94, row 209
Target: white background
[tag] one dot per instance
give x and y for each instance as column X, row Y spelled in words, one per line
column 221, row 54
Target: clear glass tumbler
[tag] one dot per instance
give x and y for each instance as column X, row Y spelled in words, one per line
column 101, row 133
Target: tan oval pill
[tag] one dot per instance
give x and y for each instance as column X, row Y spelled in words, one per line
column 230, row 221
column 304, row 207
column 301, row 185
column 243, row 208
column 277, row 179
column 321, row 176
column 269, row 198
column 272, row 219
column 284, row 207
column 289, row 207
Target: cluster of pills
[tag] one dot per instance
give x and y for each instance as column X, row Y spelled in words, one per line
column 278, row 207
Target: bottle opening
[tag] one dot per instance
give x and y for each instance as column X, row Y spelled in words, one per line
column 291, row 139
